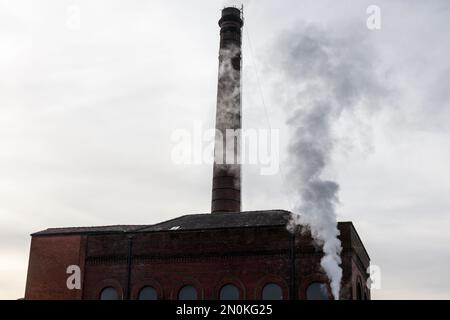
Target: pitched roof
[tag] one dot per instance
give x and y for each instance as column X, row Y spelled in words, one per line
column 223, row 220
column 89, row 230
column 187, row 222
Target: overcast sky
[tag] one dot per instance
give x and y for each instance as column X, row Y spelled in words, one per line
column 87, row 113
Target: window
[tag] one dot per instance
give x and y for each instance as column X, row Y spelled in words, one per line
column 148, row 293
column 317, row 291
column 272, row 291
column 109, row 293
column 229, row 292
column 187, row 293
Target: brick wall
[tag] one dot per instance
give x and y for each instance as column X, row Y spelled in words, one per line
column 49, row 258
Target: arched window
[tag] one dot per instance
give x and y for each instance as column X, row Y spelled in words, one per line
column 109, row 293
column 229, row 292
column 187, row 293
column 148, row 293
column 317, row 291
column 272, row 291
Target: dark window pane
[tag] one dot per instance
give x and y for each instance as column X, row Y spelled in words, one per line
column 317, row 291
column 109, row 294
column 272, row 291
column 148, row 293
column 187, row 293
column 229, row 292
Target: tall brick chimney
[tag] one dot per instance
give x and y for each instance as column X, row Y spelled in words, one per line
column 226, row 189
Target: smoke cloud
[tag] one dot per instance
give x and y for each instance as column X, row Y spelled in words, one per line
column 228, row 117
column 332, row 72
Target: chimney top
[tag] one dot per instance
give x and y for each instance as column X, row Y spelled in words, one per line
column 230, row 15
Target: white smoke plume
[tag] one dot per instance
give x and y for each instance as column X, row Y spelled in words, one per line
column 323, row 73
column 229, row 91
column 228, row 118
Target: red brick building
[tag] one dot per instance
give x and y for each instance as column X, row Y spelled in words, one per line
column 206, row 252
column 227, row 254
